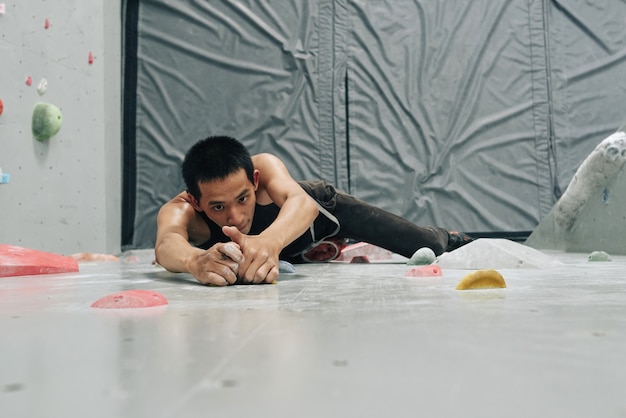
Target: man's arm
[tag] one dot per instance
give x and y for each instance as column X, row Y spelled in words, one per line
column 218, row 265
column 297, row 211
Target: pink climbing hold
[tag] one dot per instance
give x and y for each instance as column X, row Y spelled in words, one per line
column 130, row 299
column 372, row 252
column 29, row 81
column 46, row 25
column 90, row 58
column 20, row 261
column 431, row 270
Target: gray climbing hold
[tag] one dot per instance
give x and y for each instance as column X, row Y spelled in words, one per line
column 285, row 267
column 423, row 256
column 599, row 256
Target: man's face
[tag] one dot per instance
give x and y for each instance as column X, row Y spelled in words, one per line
column 231, row 201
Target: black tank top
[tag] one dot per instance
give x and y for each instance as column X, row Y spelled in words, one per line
column 264, row 215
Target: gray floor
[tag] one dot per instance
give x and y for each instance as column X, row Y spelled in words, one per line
column 332, row 340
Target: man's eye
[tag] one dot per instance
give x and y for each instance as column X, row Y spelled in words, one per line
column 243, row 199
column 218, row 208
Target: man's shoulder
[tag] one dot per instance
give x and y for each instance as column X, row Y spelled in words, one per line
column 264, row 158
column 180, row 211
column 177, row 206
column 180, row 200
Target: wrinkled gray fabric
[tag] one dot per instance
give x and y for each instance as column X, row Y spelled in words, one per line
column 472, row 115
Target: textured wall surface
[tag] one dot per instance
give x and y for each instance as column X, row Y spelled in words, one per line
column 472, row 115
column 64, row 193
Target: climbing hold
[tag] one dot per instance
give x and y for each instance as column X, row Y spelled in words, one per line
column 1, row 106
column 94, row 257
column 90, row 58
column 42, row 87
column 599, row 256
column 360, row 259
column 47, row 120
column 422, row 256
column 372, row 252
column 481, row 279
column 285, row 267
column 3, row 8
column 424, row 271
column 46, row 25
column 29, row 81
column 19, row 261
column 130, row 299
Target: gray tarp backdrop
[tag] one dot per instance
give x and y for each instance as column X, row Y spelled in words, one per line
column 467, row 114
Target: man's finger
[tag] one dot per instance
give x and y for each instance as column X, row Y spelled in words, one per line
column 214, row 279
column 232, row 251
column 226, row 272
column 248, row 271
column 272, row 276
column 234, row 234
column 265, row 274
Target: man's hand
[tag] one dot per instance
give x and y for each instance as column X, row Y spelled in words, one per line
column 218, row 265
column 260, row 261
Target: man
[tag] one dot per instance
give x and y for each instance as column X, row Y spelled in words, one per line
column 241, row 213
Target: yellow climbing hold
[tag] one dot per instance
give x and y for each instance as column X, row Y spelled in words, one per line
column 481, row 279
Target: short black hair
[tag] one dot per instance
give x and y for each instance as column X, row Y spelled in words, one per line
column 215, row 158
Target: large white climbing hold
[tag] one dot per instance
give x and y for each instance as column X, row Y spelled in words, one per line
column 595, row 172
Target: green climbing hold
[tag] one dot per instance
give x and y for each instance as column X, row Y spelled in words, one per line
column 599, row 256
column 47, row 120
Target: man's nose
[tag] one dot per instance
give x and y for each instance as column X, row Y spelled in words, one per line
column 234, row 217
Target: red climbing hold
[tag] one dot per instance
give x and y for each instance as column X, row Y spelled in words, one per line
column 130, row 299
column 29, row 81
column 18, row 261
column 47, row 24
column 424, row 271
column 1, row 107
column 90, row 58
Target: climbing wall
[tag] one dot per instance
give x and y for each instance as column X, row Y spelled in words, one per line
column 472, row 115
column 62, row 193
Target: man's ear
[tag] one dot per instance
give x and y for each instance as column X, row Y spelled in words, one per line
column 255, row 176
column 194, row 203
